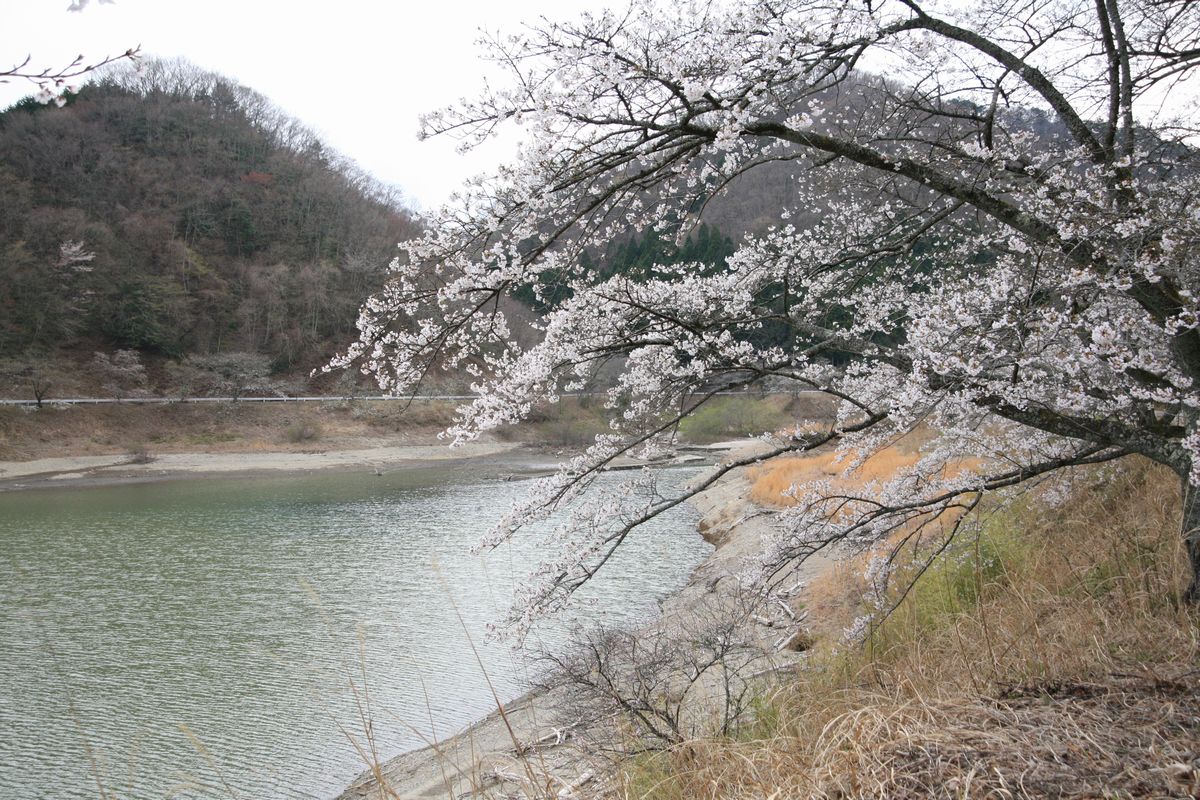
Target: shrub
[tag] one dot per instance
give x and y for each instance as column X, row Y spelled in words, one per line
column 139, row 454
column 302, row 432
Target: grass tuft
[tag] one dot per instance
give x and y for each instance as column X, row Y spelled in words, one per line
column 303, row 431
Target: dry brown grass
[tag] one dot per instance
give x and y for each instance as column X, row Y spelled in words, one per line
column 571, row 423
column 1132, row 736
column 1048, row 658
column 773, row 482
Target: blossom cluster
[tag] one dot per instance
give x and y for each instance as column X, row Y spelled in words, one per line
column 997, row 242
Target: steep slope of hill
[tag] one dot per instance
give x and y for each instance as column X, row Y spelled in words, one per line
column 175, row 212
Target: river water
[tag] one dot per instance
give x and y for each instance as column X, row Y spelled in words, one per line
column 200, row 638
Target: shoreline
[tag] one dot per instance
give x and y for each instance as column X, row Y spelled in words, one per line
column 500, row 750
column 94, row 471
column 507, row 459
column 484, row 750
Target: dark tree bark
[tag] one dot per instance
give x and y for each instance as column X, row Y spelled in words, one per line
column 1190, row 525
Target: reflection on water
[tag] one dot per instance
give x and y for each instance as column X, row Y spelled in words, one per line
column 238, row 611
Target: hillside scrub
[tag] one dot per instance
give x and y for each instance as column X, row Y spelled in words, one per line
column 570, row 424
column 780, row 481
column 217, row 427
column 173, row 211
column 1047, row 654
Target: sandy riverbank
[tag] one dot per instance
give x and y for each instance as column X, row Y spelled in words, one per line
column 94, row 470
column 532, row 742
column 515, row 457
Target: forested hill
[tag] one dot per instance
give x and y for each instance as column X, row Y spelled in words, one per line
column 174, row 212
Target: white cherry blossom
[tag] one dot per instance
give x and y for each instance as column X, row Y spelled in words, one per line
column 993, row 231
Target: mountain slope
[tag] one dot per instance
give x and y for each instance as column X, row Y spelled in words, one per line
column 176, row 212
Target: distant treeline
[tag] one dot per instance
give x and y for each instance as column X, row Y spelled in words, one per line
column 636, row 257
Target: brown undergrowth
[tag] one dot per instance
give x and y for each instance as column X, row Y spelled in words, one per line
column 1046, row 655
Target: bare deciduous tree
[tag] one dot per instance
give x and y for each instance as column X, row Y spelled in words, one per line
column 660, row 685
column 34, row 374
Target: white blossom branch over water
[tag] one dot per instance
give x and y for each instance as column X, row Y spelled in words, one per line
column 992, row 230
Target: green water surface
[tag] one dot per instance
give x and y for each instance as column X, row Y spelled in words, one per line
column 198, row 638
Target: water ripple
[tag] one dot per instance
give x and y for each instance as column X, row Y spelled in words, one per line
column 235, row 609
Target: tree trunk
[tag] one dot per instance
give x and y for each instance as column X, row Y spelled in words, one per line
column 1191, row 537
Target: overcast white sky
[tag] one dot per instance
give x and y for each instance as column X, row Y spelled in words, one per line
column 359, row 72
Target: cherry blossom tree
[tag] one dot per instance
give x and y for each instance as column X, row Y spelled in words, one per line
column 53, row 83
column 123, row 373
column 231, row 374
column 996, row 215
